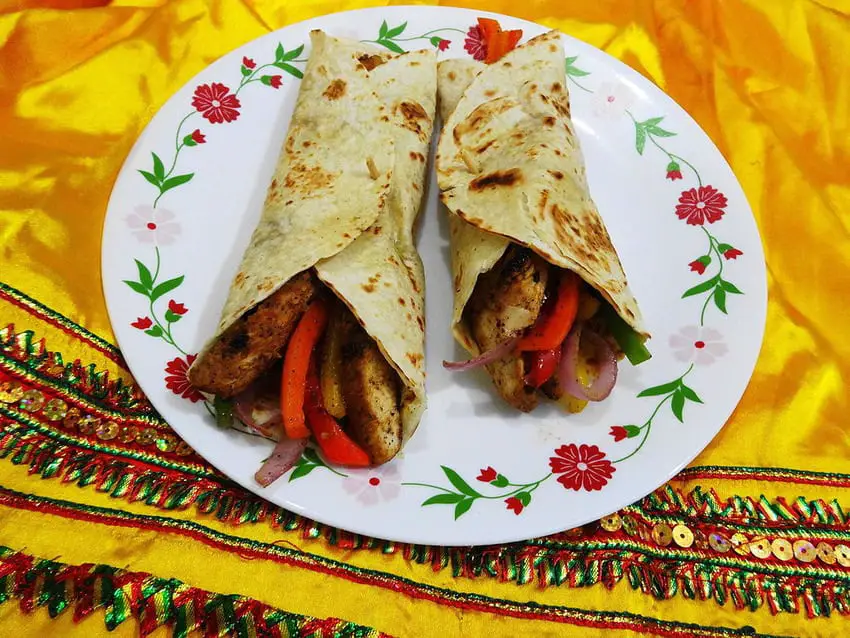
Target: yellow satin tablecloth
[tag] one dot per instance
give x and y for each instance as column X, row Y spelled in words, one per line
column 83, row 550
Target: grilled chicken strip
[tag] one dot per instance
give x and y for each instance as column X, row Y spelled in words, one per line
column 505, row 301
column 251, row 345
column 371, row 390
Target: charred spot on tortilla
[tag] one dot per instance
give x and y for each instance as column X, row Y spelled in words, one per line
column 557, row 88
column 497, row 179
column 370, row 288
column 549, row 120
column 485, row 146
column 401, row 301
column 556, row 174
column 335, row 90
column 452, row 76
column 370, row 62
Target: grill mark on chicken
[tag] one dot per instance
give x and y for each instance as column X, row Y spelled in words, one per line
column 254, row 342
column 505, row 301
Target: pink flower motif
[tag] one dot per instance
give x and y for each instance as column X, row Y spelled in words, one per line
column 612, row 100
column 177, row 379
column 475, row 44
column 153, row 225
column 142, row 323
column 581, row 467
column 216, row 103
column 700, row 345
column 702, row 205
column 514, row 504
column 370, row 487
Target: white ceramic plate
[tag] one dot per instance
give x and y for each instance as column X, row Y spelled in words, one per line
column 183, row 209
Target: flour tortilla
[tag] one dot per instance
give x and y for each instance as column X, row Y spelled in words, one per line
column 510, row 169
column 324, row 209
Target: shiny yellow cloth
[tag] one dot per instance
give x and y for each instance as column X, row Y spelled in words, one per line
column 769, row 83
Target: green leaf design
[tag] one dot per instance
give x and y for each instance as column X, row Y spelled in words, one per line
column 150, row 177
column 708, row 284
column 524, row 498
column 395, row 31
column 657, row 390
column 155, row 331
column 690, row 395
column 171, row 317
column 177, row 180
column 722, row 248
column 246, row 71
column 678, row 405
column 292, row 55
column 301, row 470
column 500, row 481
column 137, row 287
column 651, row 121
column 631, row 430
column 720, row 299
column 463, row 507
column 290, row 69
column 166, row 287
column 392, row 46
column 640, row 139
column 382, row 33
column 158, row 167
column 657, row 131
column 705, row 260
column 576, row 72
column 729, row 287
column 443, row 499
column 279, row 52
column 459, row 484
column 145, row 277
column 311, row 455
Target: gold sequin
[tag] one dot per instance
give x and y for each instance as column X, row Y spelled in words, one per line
column 804, row 551
column 183, row 449
column 31, row 401
column 574, row 532
column 740, row 544
column 146, row 436
column 842, row 554
column 826, row 553
column 71, row 418
column 107, row 431
column 719, row 543
column 611, row 523
column 56, row 409
column 682, row 536
column 629, row 525
column 662, row 534
column 166, row 443
column 11, row 391
column 127, row 434
column 782, row 549
column 56, row 370
column 760, row 547
column 88, row 424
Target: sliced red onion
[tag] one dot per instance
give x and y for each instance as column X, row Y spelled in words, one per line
column 604, row 382
column 482, row 359
column 284, row 457
column 258, row 411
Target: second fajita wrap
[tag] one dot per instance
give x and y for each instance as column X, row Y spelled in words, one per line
column 540, row 296
column 323, row 328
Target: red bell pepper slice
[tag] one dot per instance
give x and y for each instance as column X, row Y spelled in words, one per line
column 336, row 445
column 293, row 385
column 541, row 366
column 556, row 318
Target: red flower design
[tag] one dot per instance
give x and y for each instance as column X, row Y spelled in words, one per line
column 443, row 45
column 732, row 253
column 701, row 205
column 475, row 44
column 198, row 137
column 618, row 432
column 216, row 103
column 581, row 467
column 275, row 82
column 177, row 308
column 514, row 504
column 674, row 175
column 488, row 474
column 142, row 323
column 248, row 63
column 177, row 379
column 697, row 266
